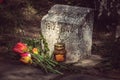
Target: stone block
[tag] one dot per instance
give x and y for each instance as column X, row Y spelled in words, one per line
column 72, row 26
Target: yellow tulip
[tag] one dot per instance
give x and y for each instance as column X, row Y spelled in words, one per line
column 26, row 60
column 35, row 50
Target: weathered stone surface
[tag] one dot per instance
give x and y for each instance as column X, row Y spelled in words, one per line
column 72, row 26
column 92, row 61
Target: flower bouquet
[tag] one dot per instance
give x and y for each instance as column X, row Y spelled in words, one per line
column 36, row 52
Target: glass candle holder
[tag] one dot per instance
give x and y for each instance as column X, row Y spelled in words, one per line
column 59, row 52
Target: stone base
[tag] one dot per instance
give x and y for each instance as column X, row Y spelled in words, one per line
column 89, row 62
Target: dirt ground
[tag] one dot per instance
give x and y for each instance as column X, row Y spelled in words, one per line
column 103, row 45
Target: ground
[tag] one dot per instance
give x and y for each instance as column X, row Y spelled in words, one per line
column 107, row 69
column 14, row 70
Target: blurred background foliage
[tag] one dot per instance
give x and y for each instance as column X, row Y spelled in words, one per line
column 17, row 12
column 22, row 17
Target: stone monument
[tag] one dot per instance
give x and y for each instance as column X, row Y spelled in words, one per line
column 72, row 26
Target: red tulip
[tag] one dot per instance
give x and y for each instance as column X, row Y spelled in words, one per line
column 20, row 48
column 25, row 54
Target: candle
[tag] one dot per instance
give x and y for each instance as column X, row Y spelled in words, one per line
column 59, row 57
column 59, row 52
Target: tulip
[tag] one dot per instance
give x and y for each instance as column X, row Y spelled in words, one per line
column 26, row 60
column 20, row 48
column 25, row 54
column 35, row 50
column 25, row 57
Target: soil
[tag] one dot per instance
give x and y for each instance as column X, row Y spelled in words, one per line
column 109, row 68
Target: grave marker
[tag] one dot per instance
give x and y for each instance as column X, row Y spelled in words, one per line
column 72, row 26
